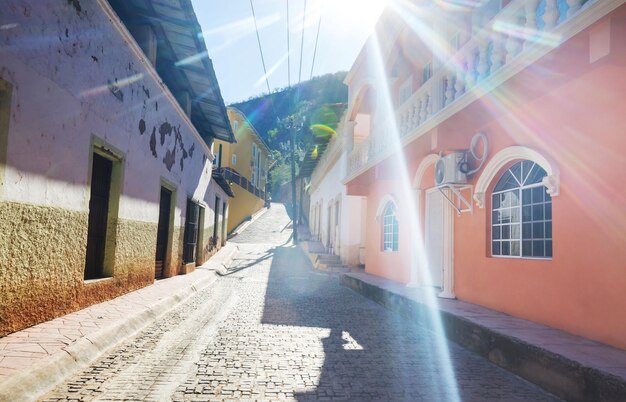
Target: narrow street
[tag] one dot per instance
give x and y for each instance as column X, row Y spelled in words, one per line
column 275, row 329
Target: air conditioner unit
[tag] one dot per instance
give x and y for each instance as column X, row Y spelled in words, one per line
column 447, row 169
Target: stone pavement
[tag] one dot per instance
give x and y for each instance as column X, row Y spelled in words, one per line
column 272, row 328
column 570, row 366
column 36, row 358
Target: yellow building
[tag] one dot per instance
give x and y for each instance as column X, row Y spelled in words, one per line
column 244, row 164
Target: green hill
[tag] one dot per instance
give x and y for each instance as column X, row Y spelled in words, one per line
column 321, row 100
column 265, row 111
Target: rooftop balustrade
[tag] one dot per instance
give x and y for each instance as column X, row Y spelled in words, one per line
column 517, row 36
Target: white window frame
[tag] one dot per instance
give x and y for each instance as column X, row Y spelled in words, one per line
column 253, row 164
column 258, row 169
column 389, row 223
column 520, row 221
column 428, row 67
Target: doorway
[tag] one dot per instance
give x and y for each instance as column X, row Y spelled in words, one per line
column 190, row 246
column 223, row 231
column 98, row 216
column 163, row 228
column 434, row 239
column 216, row 215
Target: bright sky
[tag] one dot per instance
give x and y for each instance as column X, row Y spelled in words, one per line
column 231, row 40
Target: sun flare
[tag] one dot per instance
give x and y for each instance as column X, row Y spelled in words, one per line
column 355, row 13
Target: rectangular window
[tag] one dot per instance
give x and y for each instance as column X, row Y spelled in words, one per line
column 217, row 162
column 191, row 232
column 427, row 72
column 233, row 159
column 258, row 170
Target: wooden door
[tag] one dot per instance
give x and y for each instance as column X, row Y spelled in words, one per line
column 163, row 229
column 223, row 223
column 191, row 232
column 216, row 214
column 98, row 216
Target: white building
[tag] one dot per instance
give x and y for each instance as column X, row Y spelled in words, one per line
column 106, row 127
column 335, row 219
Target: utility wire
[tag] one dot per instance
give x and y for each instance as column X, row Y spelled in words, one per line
column 288, row 48
column 301, row 42
column 317, row 37
column 258, row 38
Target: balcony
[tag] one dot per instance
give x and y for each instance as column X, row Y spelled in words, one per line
column 520, row 34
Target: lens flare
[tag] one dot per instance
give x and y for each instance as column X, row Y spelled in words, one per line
column 322, row 131
column 381, row 86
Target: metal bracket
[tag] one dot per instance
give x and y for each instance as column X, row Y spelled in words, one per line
column 461, row 204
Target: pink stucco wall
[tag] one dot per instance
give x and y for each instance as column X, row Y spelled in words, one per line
column 573, row 111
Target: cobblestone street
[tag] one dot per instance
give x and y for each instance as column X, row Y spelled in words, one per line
column 272, row 328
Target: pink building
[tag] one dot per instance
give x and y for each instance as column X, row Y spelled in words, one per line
column 489, row 145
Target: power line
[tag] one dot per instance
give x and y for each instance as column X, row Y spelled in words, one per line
column 258, row 38
column 317, row 37
column 288, row 48
column 302, row 43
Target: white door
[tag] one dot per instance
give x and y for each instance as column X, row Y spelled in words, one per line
column 435, row 204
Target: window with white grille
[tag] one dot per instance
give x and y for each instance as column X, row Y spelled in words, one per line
column 521, row 219
column 390, row 228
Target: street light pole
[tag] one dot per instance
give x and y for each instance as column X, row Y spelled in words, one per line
column 293, row 183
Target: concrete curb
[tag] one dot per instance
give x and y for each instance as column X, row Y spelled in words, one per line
column 555, row 373
column 247, row 223
column 222, row 262
column 53, row 370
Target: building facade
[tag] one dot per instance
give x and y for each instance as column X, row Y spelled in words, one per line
column 336, row 219
column 487, row 142
column 245, row 165
column 105, row 160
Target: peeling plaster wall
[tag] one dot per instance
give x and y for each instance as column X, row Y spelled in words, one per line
column 75, row 80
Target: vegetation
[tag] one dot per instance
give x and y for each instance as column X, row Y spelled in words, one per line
column 303, row 110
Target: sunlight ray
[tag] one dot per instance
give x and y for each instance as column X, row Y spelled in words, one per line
column 271, row 71
column 192, row 59
column 242, row 27
column 441, row 354
column 118, row 84
column 503, row 102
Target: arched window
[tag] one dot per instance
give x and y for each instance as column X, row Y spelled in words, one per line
column 521, row 224
column 390, row 228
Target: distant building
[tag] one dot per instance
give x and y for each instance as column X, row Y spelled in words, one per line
column 245, row 166
column 533, row 224
column 334, row 218
column 108, row 111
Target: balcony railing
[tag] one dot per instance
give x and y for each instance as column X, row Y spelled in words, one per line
column 233, row 176
column 520, row 27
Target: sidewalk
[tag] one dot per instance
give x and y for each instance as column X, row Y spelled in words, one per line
column 569, row 366
column 34, row 360
column 242, row 226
